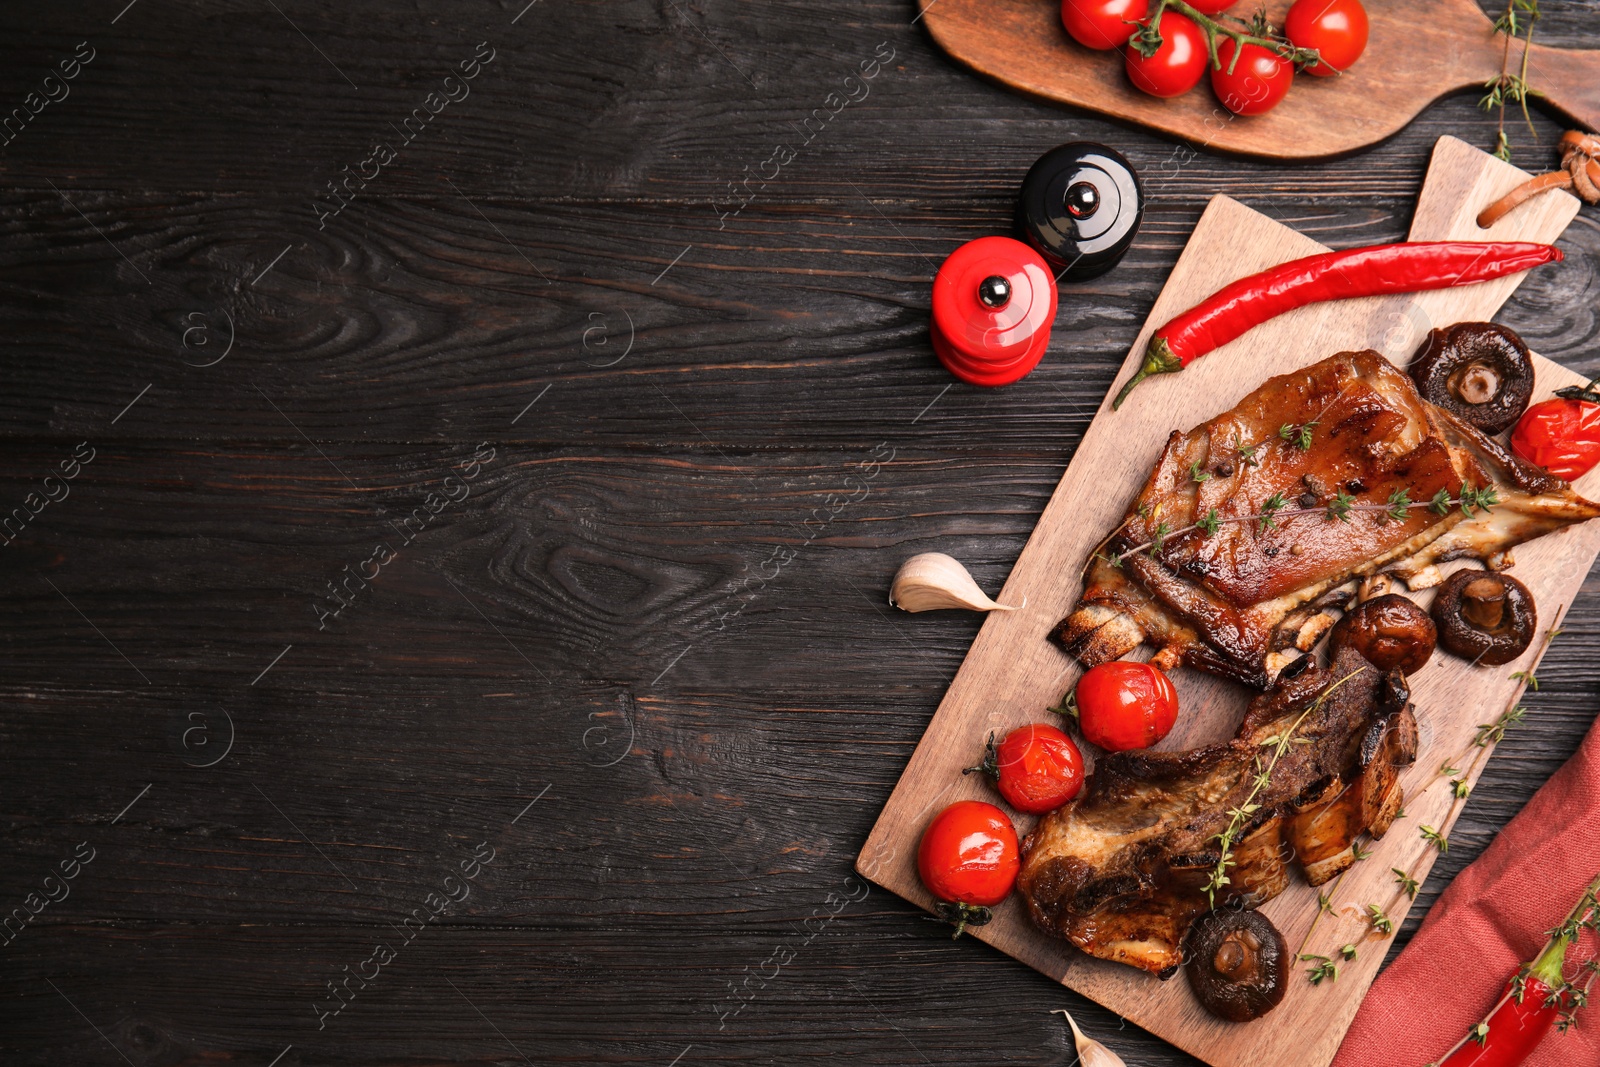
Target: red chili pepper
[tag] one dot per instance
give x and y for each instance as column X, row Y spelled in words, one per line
column 1375, row 271
column 1534, row 999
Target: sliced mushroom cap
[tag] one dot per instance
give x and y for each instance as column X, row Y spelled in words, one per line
column 1478, row 371
column 1485, row 617
column 1390, row 631
column 1237, row 963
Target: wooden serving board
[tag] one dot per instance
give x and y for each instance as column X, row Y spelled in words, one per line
column 1013, row 673
column 1417, row 53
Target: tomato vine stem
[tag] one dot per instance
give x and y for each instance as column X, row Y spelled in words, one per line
column 1148, row 37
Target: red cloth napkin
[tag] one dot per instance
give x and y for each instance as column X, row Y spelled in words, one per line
column 1495, row 915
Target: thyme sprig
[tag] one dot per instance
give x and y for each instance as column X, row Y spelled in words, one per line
column 1239, row 817
column 1488, row 735
column 1325, row 968
column 1506, row 87
column 1339, row 508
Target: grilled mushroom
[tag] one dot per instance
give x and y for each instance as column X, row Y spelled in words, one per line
column 1478, row 371
column 1389, row 630
column 1238, row 964
column 1485, row 617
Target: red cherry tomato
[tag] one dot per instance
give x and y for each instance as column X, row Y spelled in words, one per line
column 1211, row 7
column 1257, row 82
column 1561, row 435
column 1102, row 24
column 1335, row 28
column 1123, row 705
column 1177, row 65
column 968, row 854
column 1036, row 768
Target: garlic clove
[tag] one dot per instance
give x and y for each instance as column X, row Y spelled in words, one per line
column 933, row 580
column 1091, row 1053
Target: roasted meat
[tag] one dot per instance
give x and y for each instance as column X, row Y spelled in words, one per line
column 1121, row 870
column 1349, row 433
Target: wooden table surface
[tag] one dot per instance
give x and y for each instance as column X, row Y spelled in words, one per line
column 565, row 394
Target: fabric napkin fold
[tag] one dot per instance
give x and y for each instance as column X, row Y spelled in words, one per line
column 1495, row 915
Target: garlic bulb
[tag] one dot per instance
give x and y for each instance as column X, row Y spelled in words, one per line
column 1091, row 1053
column 933, row 580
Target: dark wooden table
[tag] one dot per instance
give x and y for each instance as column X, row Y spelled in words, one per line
column 448, row 524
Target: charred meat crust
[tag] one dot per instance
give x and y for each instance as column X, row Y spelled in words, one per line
column 1239, row 603
column 1120, row 871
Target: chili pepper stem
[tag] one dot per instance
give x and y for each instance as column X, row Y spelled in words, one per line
column 1158, row 359
column 1547, row 966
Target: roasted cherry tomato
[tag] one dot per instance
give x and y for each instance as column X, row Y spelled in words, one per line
column 1102, row 24
column 1211, row 7
column 1036, row 768
column 1177, row 65
column 1562, row 435
column 1257, row 82
column 1123, row 705
column 968, row 854
column 1337, row 29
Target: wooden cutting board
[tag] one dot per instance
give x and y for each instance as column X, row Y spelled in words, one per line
column 1013, row 673
column 1417, row 53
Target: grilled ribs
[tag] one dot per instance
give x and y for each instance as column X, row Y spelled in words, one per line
column 1247, row 599
column 1121, row 870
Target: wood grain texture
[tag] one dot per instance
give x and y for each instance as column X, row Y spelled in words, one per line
column 1013, row 671
column 1409, row 62
column 649, row 896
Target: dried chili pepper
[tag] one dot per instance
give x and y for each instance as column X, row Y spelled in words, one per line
column 1537, row 998
column 1380, row 269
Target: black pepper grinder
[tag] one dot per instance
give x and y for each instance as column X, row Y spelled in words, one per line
column 1080, row 207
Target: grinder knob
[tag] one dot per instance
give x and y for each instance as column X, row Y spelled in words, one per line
column 1080, row 207
column 993, row 302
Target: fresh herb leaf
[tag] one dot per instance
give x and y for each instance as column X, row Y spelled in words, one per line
column 1325, row 968
column 1339, row 506
column 1270, row 507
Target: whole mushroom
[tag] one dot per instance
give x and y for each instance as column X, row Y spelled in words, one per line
column 1389, row 631
column 1238, row 964
column 1480, row 372
column 1484, row 616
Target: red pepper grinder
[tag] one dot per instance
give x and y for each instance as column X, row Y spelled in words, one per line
column 993, row 303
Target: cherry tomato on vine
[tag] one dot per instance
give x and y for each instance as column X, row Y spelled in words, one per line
column 1102, row 24
column 1257, row 82
column 1335, row 28
column 1211, row 7
column 1177, row 65
column 968, row 854
column 1124, row 705
column 1561, row 435
column 1037, row 768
